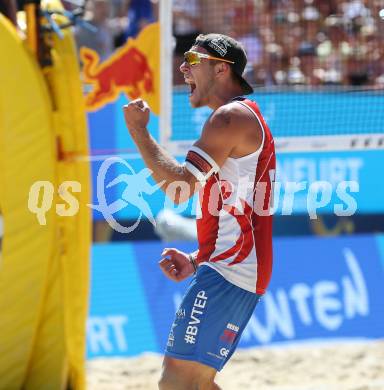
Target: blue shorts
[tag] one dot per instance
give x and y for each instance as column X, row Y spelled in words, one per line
column 210, row 319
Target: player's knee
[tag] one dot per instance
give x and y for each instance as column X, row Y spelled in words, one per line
column 170, row 380
column 163, row 383
column 174, row 379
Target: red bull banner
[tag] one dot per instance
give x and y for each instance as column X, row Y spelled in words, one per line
column 133, row 69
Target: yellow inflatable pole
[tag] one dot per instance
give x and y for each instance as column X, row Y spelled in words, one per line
column 44, row 264
column 31, row 9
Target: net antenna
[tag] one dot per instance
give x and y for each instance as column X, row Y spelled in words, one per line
column 166, row 69
column 167, row 42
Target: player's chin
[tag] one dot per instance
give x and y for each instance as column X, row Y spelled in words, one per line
column 195, row 103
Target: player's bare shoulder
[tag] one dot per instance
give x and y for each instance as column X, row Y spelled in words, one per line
column 228, row 117
column 232, row 129
column 220, row 118
column 222, row 123
column 240, row 123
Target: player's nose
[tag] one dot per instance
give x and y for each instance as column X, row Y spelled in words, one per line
column 184, row 67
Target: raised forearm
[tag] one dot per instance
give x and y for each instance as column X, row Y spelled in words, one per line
column 165, row 168
column 163, row 165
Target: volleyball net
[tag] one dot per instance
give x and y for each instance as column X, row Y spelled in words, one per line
column 318, row 71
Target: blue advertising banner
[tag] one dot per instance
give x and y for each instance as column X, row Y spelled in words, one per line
column 295, row 113
column 341, row 183
column 380, row 241
column 119, row 321
column 109, row 137
column 164, row 295
column 322, row 288
column 338, row 183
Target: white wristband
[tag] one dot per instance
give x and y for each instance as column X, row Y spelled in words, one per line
column 193, row 262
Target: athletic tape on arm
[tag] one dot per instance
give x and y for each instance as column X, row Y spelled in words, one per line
column 200, row 164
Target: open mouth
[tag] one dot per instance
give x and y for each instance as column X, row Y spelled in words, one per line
column 192, row 87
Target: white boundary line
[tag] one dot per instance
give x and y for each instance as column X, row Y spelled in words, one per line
column 329, row 143
column 306, row 144
column 332, row 143
column 102, row 157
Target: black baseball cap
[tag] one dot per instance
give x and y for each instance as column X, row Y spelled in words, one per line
column 227, row 48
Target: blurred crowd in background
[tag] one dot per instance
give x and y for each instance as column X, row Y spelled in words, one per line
column 289, row 42
column 116, row 21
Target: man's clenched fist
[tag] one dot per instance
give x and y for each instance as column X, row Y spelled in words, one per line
column 175, row 264
column 136, row 115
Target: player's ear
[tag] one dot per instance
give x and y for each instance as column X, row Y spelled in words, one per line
column 221, row 68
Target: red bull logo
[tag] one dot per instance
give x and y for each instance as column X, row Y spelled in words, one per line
column 133, row 70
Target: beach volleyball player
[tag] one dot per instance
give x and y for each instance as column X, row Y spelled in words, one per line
column 232, row 166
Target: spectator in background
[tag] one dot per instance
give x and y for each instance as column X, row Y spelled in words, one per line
column 283, row 45
column 337, row 42
column 119, row 8
column 102, row 40
column 215, row 15
column 186, row 24
column 310, row 22
column 309, row 63
column 295, row 75
column 376, row 63
column 329, row 7
column 333, row 52
column 287, row 41
column 140, row 14
column 358, row 68
column 186, row 27
column 245, row 31
column 8, row 8
column 359, row 25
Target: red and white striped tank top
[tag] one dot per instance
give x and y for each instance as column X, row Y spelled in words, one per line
column 234, row 221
